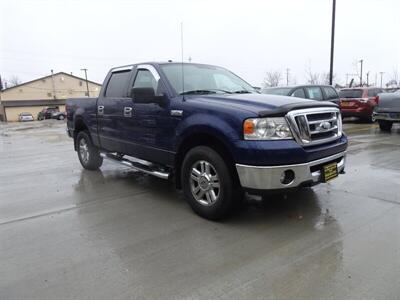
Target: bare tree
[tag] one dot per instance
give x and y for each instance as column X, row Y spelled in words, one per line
column 394, row 80
column 13, row 81
column 272, row 78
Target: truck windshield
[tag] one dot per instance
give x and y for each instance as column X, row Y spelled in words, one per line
column 204, row 79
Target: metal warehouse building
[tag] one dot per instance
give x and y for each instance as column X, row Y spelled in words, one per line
column 48, row 91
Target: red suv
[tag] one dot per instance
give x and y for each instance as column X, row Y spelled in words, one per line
column 359, row 102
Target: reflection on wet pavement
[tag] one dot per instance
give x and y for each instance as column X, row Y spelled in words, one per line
column 115, row 233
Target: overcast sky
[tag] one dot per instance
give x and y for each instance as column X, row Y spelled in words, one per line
column 247, row 37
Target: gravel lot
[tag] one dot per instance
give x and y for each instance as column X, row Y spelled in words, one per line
column 116, row 234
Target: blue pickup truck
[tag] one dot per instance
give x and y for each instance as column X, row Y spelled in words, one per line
column 208, row 130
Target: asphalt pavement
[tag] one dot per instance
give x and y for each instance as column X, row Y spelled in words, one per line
column 68, row 233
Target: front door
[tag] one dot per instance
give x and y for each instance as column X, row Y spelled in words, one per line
column 150, row 131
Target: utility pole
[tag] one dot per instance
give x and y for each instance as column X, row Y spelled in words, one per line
column 87, row 84
column 287, row 76
column 361, row 61
column 381, row 76
column 368, row 78
column 53, row 84
column 332, row 41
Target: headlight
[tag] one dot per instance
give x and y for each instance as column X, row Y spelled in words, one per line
column 266, row 129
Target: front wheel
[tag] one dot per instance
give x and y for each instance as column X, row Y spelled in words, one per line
column 88, row 154
column 385, row 125
column 207, row 183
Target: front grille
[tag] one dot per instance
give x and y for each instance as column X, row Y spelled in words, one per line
column 315, row 125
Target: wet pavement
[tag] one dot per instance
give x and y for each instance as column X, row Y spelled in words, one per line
column 67, row 233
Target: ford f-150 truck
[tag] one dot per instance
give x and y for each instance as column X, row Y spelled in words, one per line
column 209, row 130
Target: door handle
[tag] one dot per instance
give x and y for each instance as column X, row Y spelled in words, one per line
column 100, row 109
column 128, row 111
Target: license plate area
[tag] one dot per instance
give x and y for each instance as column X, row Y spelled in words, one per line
column 329, row 172
column 394, row 115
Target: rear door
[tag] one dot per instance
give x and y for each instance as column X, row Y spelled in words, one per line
column 330, row 94
column 110, row 110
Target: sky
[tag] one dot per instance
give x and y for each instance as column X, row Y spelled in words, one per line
column 248, row 37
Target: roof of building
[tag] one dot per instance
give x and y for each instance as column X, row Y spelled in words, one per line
column 48, row 76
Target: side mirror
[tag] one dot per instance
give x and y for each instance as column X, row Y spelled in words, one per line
column 146, row 95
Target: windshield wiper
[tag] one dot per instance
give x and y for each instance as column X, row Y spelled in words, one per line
column 206, row 91
column 242, row 92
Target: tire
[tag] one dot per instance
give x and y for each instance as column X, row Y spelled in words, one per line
column 61, row 117
column 385, row 125
column 88, row 154
column 210, row 190
column 368, row 119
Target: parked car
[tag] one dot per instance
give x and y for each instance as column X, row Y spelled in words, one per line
column 359, row 102
column 59, row 115
column 387, row 111
column 25, row 116
column 47, row 113
column 215, row 135
column 313, row 92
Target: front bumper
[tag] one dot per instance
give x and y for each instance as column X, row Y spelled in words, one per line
column 269, row 177
column 387, row 116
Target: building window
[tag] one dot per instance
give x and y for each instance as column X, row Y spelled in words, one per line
column 48, row 94
column 80, row 83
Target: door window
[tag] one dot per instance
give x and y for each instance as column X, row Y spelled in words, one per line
column 299, row 93
column 314, row 92
column 330, row 93
column 144, row 79
column 116, row 86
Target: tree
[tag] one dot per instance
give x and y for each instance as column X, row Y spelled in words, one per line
column 272, row 78
column 13, row 81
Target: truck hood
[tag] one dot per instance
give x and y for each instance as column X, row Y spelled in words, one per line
column 389, row 101
column 261, row 104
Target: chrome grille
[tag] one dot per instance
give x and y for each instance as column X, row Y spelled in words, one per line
column 315, row 126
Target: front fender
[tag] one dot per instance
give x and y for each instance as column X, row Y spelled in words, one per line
column 223, row 129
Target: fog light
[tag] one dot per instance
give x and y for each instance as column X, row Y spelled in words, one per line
column 287, row 177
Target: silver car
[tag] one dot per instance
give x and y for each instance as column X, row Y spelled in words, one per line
column 25, row 117
column 387, row 111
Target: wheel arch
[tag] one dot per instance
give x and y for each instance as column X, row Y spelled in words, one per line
column 203, row 138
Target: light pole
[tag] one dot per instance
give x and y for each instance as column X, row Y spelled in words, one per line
column 381, row 76
column 287, row 76
column 368, row 78
column 361, row 61
column 53, row 84
column 87, row 84
column 332, row 41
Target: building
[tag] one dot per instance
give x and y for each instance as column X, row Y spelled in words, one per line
column 48, row 91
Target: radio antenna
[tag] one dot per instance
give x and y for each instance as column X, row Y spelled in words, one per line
column 182, row 71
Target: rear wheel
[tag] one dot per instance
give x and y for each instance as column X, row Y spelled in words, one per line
column 208, row 183
column 88, row 154
column 385, row 125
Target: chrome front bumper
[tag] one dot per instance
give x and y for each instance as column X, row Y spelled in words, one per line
column 269, row 178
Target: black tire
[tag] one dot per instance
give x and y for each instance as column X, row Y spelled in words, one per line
column 385, row 125
column 368, row 119
column 226, row 193
column 93, row 160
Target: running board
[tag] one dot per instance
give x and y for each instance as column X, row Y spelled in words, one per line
column 145, row 168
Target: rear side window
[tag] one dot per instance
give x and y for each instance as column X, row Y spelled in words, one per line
column 299, row 93
column 116, row 86
column 330, row 93
column 314, row 93
column 351, row 93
